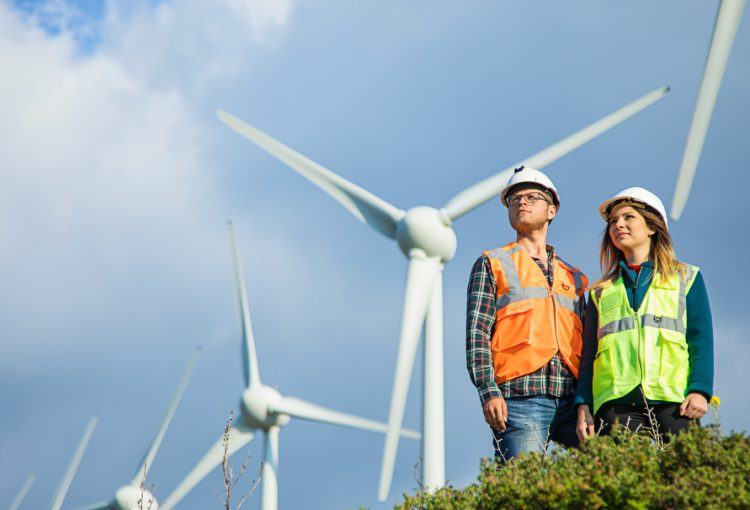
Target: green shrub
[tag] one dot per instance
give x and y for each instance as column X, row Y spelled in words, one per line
column 699, row 469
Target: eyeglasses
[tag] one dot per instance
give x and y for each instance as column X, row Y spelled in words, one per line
column 530, row 198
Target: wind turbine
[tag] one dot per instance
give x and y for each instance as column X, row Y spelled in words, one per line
column 134, row 495
column 264, row 408
column 62, row 490
column 727, row 21
column 22, row 492
column 426, row 237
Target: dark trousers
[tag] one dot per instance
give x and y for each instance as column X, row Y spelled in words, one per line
column 635, row 417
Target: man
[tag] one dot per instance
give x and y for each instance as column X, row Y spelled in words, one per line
column 523, row 326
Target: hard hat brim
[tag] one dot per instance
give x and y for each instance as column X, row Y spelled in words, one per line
column 529, row 185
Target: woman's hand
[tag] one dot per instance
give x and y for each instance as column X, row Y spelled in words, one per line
column 585, row 425
column 694, row 406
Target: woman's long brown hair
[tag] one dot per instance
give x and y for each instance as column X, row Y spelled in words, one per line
column 661, row 251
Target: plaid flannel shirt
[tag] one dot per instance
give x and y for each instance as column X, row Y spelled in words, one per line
column 554, row 378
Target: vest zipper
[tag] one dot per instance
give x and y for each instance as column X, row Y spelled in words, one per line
column 550, row 285
column 638, row 328
column 638, row 350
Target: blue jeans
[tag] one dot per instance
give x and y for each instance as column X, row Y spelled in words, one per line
column 532, row 422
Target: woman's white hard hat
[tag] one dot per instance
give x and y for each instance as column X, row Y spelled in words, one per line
column 638, row 195
column 533, row 177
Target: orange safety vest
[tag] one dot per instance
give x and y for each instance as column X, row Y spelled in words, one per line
column 532, row 321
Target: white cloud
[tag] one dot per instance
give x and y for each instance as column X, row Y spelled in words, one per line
column 105, row 156
column 189, row 45
column 263, row 16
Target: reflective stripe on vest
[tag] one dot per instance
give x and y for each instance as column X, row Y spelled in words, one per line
column 532, row 321
column 515, row 291
column 647, row 347
column 518, row 293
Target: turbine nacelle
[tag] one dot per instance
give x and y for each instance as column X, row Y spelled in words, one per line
column 429, row 230
column 134, row 498
column 256, row 407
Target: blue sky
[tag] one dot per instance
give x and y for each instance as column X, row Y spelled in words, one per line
column 118, row 179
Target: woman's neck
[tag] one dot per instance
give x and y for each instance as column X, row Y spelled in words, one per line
column 636, row 257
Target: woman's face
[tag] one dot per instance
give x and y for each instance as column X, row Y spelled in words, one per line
column 628, row 230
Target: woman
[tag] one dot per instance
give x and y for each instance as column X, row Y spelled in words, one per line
column 647, row 357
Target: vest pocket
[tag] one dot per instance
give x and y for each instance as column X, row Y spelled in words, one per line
column 674, row 362
column 604, row 348
column 514, row 325
column 604, row 370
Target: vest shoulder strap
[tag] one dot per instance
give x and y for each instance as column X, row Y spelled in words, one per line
column 689, row 279
column 579, row 277
column 607, row 291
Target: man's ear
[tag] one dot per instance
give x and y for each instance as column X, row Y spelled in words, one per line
column 551, row 212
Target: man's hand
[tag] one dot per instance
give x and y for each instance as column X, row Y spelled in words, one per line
column 694, row 406
column 585, row 425
column 495, row 413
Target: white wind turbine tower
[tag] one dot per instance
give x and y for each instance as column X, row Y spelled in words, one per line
column 264, row 408
column 134, row 495
column 425, row 236
column 727, row 21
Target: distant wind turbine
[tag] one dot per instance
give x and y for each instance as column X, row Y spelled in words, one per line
column 264, row 408
column 425, row 236
column 727, row 21
column 62, row 490
column 134, row 495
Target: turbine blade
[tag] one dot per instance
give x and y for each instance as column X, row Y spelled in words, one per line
column 727, row 21
column 249, row 355
column 239, row 436
column 22, row 492
column 476, row 195
column 365, row 206
column 148, row 459
column 298, row 408
column 62, row 490
column 423, row 272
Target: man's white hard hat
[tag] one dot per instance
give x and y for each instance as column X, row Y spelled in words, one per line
column 535, row 179
column 637, row 195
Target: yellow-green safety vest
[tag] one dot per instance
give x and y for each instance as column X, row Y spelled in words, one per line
column 647, row 347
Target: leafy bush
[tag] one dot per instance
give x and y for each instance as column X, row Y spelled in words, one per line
column 698, row 469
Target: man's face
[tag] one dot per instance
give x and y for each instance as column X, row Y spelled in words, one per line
column 529, row 209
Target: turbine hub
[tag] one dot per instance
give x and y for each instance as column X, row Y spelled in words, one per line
column 254, row 407
column 134, row 498
column 429, row 230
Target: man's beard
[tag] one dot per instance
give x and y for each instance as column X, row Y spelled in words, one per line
column 527, row 225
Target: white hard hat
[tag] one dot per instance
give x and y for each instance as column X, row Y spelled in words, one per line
column 635, row 194
column 526, row 175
